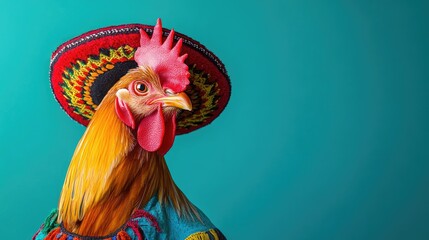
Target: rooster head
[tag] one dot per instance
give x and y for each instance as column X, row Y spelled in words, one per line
column 149, row 96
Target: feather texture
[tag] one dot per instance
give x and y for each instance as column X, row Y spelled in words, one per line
column 110, row 175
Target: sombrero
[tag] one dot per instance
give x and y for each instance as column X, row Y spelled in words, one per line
column 83, row 69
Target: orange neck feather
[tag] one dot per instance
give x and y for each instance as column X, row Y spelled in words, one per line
column 110, row 176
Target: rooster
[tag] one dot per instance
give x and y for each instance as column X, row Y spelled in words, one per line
column 118, row 165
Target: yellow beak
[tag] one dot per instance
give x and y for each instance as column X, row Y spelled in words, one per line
column 180, row 100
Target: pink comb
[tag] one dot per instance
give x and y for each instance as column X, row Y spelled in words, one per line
column 163, row 59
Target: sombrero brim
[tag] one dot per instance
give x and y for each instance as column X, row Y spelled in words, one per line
column 84, row 69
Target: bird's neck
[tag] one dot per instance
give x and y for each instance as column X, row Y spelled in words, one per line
column 110, row 176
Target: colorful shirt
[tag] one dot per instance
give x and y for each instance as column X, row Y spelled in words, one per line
column 155, row 221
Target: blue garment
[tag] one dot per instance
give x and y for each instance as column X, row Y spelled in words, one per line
column 160, row 222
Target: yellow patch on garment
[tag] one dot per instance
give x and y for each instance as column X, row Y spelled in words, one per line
column 203, row 235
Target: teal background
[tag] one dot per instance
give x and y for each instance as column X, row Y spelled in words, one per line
column 325, row 135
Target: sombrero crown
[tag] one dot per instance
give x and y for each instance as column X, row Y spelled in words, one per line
column 86, row 67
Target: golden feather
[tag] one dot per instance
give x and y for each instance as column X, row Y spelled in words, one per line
column 110, row 175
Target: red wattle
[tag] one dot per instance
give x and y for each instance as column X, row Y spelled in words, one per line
column 150, row 132
column 170, row 133
column 124, row 113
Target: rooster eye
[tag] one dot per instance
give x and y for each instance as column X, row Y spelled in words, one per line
column 140, row 87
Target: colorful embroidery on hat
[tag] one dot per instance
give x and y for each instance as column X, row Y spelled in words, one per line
column 78, row 79
column 84, row 68
column 204, row 95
